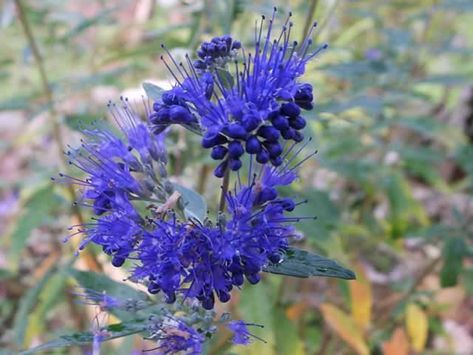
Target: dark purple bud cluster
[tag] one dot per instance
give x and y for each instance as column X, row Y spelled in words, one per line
column 288, row 121
column 257, row 138
column 171, row 110
column 216, row 52
column 304, row 97
column 249, row 107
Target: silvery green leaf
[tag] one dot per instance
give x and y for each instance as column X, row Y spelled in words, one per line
column 194, row 204
column 110, row 332
column 154, row 92
column 226, row 79
column 301, row 263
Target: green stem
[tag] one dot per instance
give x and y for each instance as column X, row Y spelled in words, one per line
column 56, row 127
column 226, row 182
column 326, row 19
column 309, row 19
column 203, row 176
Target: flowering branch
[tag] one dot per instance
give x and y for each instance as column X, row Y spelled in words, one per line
column 246, row 107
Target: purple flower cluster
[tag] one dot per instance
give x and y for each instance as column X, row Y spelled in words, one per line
column 172, row 255
column 119, row 172
column 217, row 52
column 241, row 334
column 174, row 335
column 240, row 103
column 139, row 215
column 249, row 105
column 204, row 261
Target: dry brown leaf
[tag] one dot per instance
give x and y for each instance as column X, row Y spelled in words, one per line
column 345, row 327
column 398, row 344
column 361, row 298
column 295, row 311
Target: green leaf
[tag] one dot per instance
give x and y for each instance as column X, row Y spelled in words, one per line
column 461, row 6
column 6, row 274
column 468, row 280
column 80, row 121
column 318, row 231
column 99, row 282
column 301, row 263
column 154, row 92
column 371, row 104
column 89, row 22
column 448, row 79
column 225, row 78
column 27, row 303
column 35, row 213
column 287, row 337
column 256, row 306
column 51, row 295
column 110, row 332
column 453, row 254
column 195, row 205
column 404, row 209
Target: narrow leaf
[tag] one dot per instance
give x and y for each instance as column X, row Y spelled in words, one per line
column 194, row 204
column 110, row 332
column 153, row 91
column 361, row 299
column 300, row 263
column 50, row 296
column 101, row 283
column 286, row 334
column 417, row 326
column 26, row 304
column 453, row 253
column 35, row 213
column 256, row 306
column 226, row 79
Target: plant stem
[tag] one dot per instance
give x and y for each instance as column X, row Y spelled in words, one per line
column 203, row 176
column 226, row 181
column 88, row 257
column 309, row 19
column 326, row 18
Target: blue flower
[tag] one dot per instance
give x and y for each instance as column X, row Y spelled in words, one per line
column 242, row 101
column 174, row 335
column 206, row 262
column 116, row 233
column 241, row 334
column 217, row 52
column 101, row 299
column 119, row 172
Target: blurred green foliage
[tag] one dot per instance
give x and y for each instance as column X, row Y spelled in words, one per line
column 391, row 185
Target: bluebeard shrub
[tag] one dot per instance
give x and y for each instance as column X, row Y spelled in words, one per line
column 248, row 107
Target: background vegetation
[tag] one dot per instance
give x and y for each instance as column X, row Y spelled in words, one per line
column 391, row 185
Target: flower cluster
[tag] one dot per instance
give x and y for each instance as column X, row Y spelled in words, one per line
column 173, row 335
column 217, row 52
column 242, row 102
column 204, row 261
column 120, row 171
column 140, row 215
column 176, row 255
column 182, row 327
